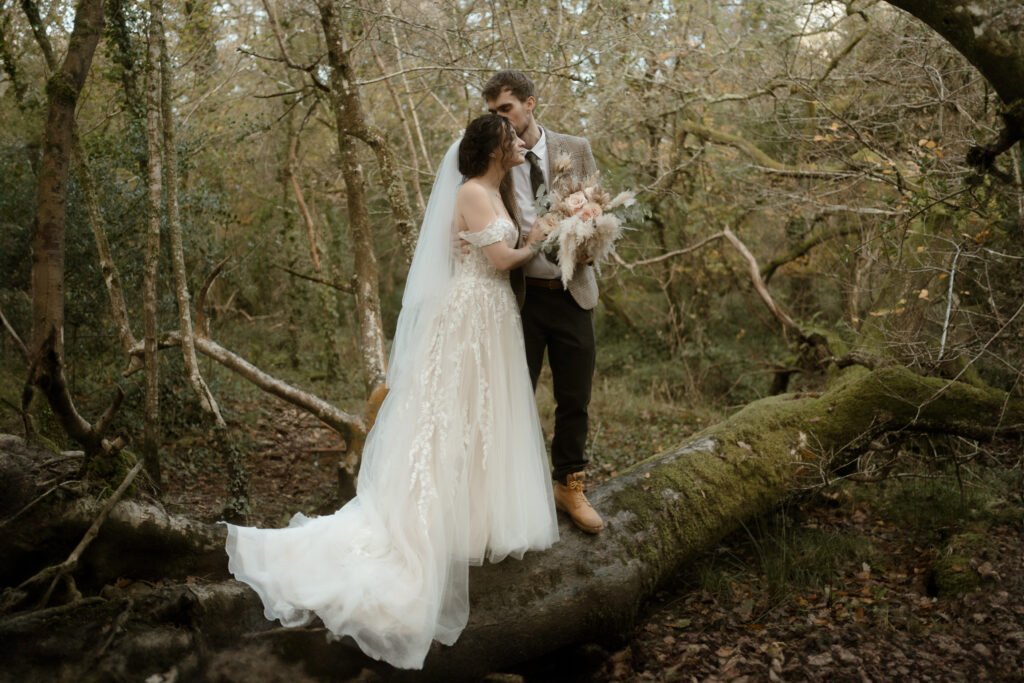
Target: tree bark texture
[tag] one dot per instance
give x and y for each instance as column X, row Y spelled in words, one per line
column 151, row 359
column 349, row 116
column 47, row 239
column 660, row 515
column 47, row 242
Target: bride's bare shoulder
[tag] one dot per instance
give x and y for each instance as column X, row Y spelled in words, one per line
column 472, row 190
column 472, row 197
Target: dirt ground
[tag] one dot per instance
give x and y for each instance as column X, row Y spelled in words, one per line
column 862, row 595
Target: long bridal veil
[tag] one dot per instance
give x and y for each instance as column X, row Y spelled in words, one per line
column 430, row 273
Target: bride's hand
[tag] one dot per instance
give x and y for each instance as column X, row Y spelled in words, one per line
column 536, row 236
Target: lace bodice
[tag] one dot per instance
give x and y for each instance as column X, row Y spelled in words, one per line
column 475, row 263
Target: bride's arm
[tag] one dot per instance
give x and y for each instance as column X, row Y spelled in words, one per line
column 476, row 210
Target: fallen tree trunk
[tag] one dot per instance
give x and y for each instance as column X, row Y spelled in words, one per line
column 660, row 516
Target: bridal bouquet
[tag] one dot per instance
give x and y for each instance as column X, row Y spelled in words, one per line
column 577, row 219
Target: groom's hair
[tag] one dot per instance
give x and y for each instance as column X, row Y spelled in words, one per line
column 516, row 81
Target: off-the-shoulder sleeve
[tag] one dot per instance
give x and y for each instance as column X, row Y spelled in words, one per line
column 494, row 232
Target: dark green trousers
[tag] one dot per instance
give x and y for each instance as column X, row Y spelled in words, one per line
column 553, row 320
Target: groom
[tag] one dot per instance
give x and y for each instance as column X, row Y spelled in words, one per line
column 554, row 317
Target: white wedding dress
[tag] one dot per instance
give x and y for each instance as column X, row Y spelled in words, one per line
column 454, row 471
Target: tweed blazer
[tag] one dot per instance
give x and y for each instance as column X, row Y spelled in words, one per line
column 583, row 285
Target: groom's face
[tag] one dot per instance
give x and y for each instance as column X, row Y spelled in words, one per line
column 518, row 112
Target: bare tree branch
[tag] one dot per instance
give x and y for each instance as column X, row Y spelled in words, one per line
column 14, row 335
column 341, row 287
column 671, row 254
column 805, row 246
column 788, row 324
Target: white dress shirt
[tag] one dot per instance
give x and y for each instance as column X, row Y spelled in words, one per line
column 539, row 266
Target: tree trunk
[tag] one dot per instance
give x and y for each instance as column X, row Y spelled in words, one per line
column 348, row 114
column 170, row 167
column 46, row 346
column 151, row 359
column 111, row 276
column 47, row 241
column 659, row 515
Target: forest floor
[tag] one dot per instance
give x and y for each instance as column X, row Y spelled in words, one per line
column 918, row 578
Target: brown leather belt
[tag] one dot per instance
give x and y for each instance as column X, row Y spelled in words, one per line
column 545, row 284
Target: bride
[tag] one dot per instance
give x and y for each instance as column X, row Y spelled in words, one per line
column 454, row 470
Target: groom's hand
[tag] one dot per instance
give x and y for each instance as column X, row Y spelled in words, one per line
column 460, row 248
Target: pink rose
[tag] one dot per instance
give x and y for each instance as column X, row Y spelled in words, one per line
column 575, row 201
column 590, row 211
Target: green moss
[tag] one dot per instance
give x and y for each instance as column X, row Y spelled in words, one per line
column 743, row 466
column 60, row 90
column 835, row 375
column 953, row 572
column 48, row 432
column 687, row 498
column 111, row 470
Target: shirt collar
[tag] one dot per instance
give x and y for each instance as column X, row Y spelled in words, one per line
column 541, row 148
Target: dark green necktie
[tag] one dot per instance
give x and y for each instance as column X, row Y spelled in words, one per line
column 536, row 174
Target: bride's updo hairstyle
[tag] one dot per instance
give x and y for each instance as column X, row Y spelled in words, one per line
column 483, row 135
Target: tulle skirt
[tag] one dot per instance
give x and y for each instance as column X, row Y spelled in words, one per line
column 454, row 471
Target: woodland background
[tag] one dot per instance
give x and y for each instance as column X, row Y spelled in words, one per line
column 829, row 191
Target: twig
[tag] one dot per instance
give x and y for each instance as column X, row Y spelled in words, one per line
column 63, row 570
column 20, row 512
column 671, row 254
column 755, row 275
column 949, row 303
column 347, row 288
column 941, row 390
column 14, row 335
column 15, row 622
column 114, row 629
column 202, row 326
column 515, row 34
column 308, row 68
column 293, row 165
column 462, row 69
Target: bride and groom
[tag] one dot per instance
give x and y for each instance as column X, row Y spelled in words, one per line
column 454, row 470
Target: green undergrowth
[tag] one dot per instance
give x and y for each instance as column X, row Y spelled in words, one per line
column 946, row 520
column 784, row 554
column 936, row 504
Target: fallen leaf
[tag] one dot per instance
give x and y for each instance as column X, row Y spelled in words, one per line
column 820, row 660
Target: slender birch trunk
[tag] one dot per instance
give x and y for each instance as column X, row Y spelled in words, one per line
column 170, row 151
column 111, row 276
column 151, row 435
column 405, row 86
column 349, row 115
column 409, row 144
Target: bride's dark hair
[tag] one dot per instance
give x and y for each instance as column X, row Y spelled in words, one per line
column 483, row 135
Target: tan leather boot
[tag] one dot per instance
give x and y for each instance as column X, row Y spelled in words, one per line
column 569, row 498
